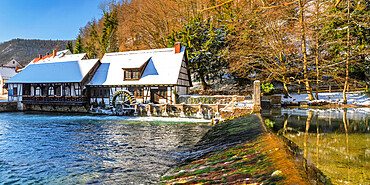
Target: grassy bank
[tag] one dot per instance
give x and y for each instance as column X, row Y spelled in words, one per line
column 239, row 151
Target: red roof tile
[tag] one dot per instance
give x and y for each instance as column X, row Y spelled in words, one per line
column 38, row 59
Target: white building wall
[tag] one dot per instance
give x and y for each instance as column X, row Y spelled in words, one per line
column 15, row 95
column 73, row 90
column 182, row 90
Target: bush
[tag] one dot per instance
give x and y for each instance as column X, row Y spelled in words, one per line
column 267, row 88
column 367, row 92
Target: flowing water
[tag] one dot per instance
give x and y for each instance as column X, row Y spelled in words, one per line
column 85, row 149
column 336, row 141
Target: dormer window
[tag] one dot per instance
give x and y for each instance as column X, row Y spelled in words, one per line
column 134, row 72
column 131, row 74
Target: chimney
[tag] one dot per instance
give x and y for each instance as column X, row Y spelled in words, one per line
column 40, row 56
column 54, row 53
column 177, row 47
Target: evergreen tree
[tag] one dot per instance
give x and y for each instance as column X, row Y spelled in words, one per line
column 109, row 37
column 78, row 46
column 206, row 48
column 335, row 33
column 69, row 46
column 92, row 41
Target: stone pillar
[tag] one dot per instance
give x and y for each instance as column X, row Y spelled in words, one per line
column 135, row 106
column 217, row 114
column 165, row 113
column 257, row 95
column 149, row 111
column 200, row 113
column 182, row 113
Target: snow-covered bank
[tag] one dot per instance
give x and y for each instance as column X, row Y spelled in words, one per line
column 353, row 98
column 337, row 113
column 4, row 98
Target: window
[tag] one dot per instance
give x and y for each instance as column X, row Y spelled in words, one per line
column 15, row 91
column 67, row 91
column 127, row 75
column 131, row 75
column 135, row 75
column 93, row 93
column 78, row 90
column 139, row 93
column 51, row 91
column 26, row 89
column 163, row 92
column 106, row 92
column 58, row 90
column 38, row 91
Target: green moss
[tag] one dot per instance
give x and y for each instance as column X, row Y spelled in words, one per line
column 247, row 158
column 172, row 177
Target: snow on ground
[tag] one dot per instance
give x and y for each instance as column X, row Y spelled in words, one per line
column 335, row 113
column 354, row 98
column 3, row 98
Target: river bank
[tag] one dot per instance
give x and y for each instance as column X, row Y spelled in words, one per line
column 328, row 100
column 239, row 151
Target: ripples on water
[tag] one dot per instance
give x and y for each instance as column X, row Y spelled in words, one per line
column 80, row 149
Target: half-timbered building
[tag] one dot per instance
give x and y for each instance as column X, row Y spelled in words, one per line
column 147, row 76
column 122, row 78
column 54, row 83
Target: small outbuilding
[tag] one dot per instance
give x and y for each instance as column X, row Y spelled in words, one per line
column 14, row 64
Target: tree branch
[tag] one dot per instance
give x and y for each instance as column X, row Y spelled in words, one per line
column 216, row 6
column 285, row 4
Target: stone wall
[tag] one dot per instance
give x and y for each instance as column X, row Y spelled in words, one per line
column 56, row 108
column 8, row 106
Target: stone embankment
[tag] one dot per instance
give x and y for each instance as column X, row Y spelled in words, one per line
column 239, row 151
column 8, row 106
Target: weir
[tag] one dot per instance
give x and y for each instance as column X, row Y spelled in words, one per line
column 124, row 103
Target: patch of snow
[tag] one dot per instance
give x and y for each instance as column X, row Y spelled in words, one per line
column 337, row 113
column 353, row 98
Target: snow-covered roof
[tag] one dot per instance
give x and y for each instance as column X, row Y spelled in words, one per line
column 13, row 63
column 7, row 72
column 55, row 72
column 163, row 67
column 64, row 58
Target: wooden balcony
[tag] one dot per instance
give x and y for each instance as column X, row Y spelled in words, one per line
column 54, row 100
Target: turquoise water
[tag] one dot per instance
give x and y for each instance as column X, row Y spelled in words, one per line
column 79, row 149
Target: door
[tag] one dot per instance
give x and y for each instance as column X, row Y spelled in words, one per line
column 154, row 96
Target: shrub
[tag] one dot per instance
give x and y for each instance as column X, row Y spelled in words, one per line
column 267, row 88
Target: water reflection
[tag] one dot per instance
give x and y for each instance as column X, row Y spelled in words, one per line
column 335, row 140
column 68, row 149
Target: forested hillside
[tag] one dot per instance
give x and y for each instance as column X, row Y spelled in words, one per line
column 310, row 42
column 26, row 50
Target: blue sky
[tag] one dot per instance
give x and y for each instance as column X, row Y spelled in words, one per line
column 45, row 19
